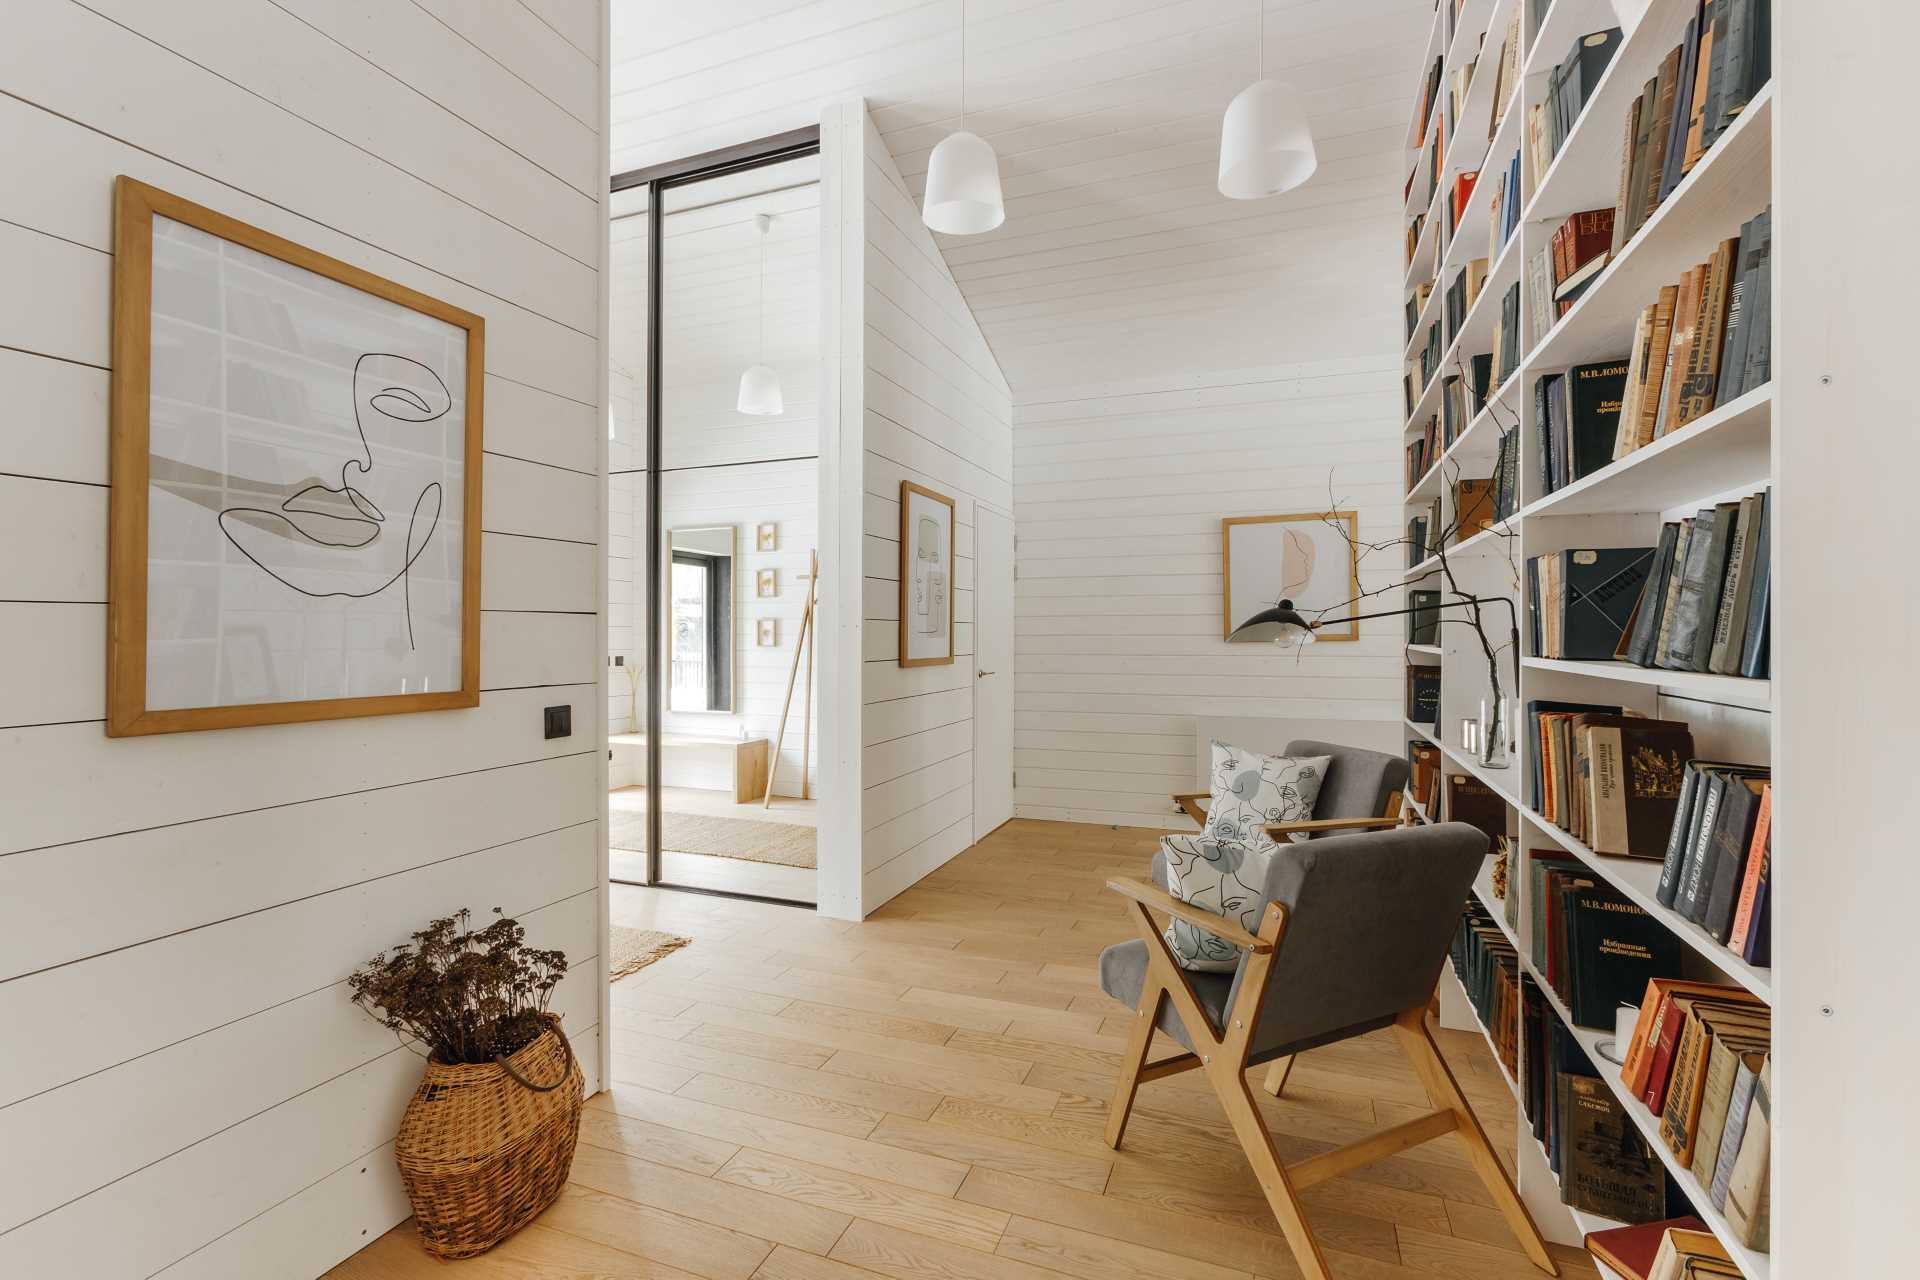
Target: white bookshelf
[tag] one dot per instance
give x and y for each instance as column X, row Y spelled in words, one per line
column 1726, row 454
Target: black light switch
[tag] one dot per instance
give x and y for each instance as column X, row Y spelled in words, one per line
column 560, row 722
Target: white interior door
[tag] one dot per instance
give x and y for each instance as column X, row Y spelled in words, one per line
column 993, row 670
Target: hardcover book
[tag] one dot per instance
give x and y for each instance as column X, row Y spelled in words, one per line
column 1594, row 395
column 1631, row 1250
column 1615, row 947
column 1607, row 1168
column 1639, row 768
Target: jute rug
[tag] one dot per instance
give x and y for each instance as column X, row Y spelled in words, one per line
column 783, row 844
column 635, row 949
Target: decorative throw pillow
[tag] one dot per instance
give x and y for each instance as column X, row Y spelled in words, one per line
column 1225, row 876
column 1250, row 791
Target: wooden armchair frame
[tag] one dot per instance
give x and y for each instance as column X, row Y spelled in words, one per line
column 1189, row 802
column 1223, row 1054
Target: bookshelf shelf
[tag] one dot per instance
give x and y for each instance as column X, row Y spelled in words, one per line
column 1725, row 454
column 1727, row 449
column 1639, row 879
column 1737, row 691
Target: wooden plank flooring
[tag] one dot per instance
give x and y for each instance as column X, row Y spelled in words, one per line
column 923, row 1094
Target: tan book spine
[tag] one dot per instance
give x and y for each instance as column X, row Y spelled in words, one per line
column 1665, row 104
column 1659, row 343
column 1686, row 330
column 1663, row 649
column 1609, row 790
column 1715, row 1098
column 1683, row 1086
column 1626, row 177
column 1696, row 119
column 1697, row 390
column 1626, row 436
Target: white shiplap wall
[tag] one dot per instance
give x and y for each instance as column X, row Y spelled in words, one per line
column 920, row 397
column 178, row 913
column 1119, row 493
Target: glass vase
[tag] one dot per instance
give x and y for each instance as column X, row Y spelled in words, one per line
column 1494, row 749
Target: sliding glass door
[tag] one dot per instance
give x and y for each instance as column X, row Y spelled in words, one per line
column 714, row 495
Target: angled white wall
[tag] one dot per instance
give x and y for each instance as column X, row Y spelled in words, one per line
column 919, row 397
column 184, row 1086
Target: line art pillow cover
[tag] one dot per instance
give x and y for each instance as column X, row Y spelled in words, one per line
column 1225, row 876
column 1248, row 791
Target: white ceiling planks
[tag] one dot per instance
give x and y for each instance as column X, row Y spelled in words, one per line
column 1119, row 257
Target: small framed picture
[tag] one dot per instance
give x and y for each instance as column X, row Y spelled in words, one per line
column 766, row 537
column 766, row 633
column 766, row 583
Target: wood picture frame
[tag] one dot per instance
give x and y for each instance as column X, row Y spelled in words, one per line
column 926, row 575
column 129, row 709
column 1340, row 592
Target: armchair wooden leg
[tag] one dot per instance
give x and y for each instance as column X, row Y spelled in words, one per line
column 1277, row 1072
column 1139, row 1041
column 1257, row 1143
column 1444, row 1092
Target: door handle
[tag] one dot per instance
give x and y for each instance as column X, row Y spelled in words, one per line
column 985, row 674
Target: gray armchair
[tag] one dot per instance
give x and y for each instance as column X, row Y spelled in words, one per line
column 1351, row 940
column 1360, row 792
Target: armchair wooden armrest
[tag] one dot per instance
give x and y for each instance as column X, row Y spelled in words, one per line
column 1205, row 921
column 1279, row 829
column 1189, row 803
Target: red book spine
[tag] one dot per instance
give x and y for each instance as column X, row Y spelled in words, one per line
column 1588, row 234
column 1757, row 854
column 1662, row 1069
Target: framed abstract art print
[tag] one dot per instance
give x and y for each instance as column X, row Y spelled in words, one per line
column 926, row 576
column 294, row 524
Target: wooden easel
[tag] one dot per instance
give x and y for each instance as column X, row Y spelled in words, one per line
column 806, row 705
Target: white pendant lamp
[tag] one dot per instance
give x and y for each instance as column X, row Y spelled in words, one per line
column 963, row 174
column 760, row 385
column 1266, row 146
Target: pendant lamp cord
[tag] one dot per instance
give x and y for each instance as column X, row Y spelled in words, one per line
column 1260, row 43
column 963, row 65
column 760, row 302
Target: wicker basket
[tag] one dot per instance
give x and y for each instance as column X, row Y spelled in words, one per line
column 484, row 1148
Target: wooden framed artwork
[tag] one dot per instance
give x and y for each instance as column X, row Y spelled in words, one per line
column 294, row 522
column 1311, row 559
column 766, row 536
column 926, row 576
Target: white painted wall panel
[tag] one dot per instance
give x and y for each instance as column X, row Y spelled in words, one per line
column 185, row 908
column 1119, row 491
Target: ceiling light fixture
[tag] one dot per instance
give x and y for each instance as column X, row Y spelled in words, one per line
column 760, row 385
column 1266, row 146
column 963, row 173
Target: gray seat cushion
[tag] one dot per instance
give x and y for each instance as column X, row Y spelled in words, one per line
column 1123, row 971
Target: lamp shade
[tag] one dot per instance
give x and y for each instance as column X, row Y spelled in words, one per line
column 760, row 392
column 1279, row 625
column 963, row 187
column 1265, row 144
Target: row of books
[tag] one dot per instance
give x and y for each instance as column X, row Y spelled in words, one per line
column 1507, row 347
column 1424, row 450
column 1430, row 356
column 1704, row 341
column 1423, row 539
column 1699, row 90
column 1503, row 206
column 1594, row 946
column 1569, row 87
column 1423, row 775
column 1718, row 868
column 1489, row 971
column 1416, row 303
column 1576, row 418
column 1630, row 786
column 1575, row 254
column 1700, row 1059
column 1463, row 293
column 1416, row 228
column 1603, row 1164
column 1506, row 476
column 1699, row 601
column 1506, row 73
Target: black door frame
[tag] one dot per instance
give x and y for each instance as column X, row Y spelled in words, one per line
column 658, row 179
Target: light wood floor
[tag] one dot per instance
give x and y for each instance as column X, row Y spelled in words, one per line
column 922, row 1095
